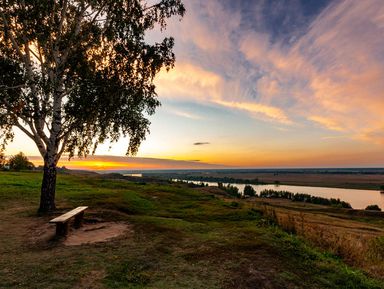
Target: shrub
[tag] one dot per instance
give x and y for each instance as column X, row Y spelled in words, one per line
column 2, row 160
column 20, row 162
column 231, row 190
column 373, row 208
column 249, row 191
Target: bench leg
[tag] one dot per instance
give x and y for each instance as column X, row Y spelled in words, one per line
column 62, row 229
column 78, row 220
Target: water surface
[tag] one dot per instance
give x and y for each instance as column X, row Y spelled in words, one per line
column 359, row 199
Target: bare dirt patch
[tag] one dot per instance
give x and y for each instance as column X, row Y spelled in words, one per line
column 94, row 233
column 43, row 234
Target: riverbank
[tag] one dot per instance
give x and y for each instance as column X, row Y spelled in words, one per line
column 178, row 237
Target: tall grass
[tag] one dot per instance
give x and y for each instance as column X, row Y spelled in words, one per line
column 363, row 250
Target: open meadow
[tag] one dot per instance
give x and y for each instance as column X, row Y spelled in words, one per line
column 176, row 237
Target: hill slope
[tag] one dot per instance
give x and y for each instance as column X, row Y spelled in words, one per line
column 180, row 237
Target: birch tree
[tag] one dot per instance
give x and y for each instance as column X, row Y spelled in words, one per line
column 75, row 73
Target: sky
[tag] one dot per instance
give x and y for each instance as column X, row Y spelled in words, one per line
column 266, row 83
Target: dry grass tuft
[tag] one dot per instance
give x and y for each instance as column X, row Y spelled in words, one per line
column 356, row 245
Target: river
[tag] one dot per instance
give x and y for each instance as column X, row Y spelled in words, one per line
column 359, row 199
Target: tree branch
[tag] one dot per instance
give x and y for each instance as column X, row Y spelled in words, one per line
column 24, row 130
column 62, row 149
column 34, row 137
column 99, row 11
column 4, row 87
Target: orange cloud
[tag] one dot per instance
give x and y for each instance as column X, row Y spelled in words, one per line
column 273, row 113
column 100, row 163
column 331, row 75
column 194, row 83
column 328, row 123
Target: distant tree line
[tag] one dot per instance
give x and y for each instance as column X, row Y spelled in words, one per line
column 304, row 198
column 373, row 208
column 18, row 162
column 227, row 180
column 190, row 184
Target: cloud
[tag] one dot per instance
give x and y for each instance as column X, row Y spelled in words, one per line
column 209, row 70
column 192, row 83
column 332, row 75
column 100, row 163
column 375, row 135
column 329, row 70
column 272, row 113
column 328, row 123
column 185, row 114
column 201, row 143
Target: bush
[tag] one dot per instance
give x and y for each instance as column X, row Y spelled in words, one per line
column 373, row 208
column 2, row 160
column 231, row 190
column 249, row 191
column 20, row 162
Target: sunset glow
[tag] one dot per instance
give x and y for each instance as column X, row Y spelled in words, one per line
column 260, row 84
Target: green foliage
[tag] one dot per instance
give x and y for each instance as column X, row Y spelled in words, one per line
column 81, row 71
column 77, row 73
column 20, row 162
column 373, row 208
column 231, row 190
column 249, row 191
column 304, row 198
column 2, row 160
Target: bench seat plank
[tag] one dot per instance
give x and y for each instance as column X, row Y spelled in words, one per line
column 65, row 217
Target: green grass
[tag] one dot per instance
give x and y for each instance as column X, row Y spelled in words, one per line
column 182, row 238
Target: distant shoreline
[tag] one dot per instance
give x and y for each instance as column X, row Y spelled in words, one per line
column 371, row 179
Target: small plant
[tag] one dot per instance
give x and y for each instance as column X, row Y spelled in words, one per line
column 373, row 208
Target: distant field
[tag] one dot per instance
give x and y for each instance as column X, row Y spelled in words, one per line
column 182, row 237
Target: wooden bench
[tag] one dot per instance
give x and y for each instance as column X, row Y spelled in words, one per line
column 62, row 222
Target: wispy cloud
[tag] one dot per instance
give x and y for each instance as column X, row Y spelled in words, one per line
column 185, row 114
column 329, row 71
column 201, row 143
column 326, row 122
column 332, row 74
column 192, row 83
column 272, row 113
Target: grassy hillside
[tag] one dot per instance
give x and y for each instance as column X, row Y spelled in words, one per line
column 180, row 238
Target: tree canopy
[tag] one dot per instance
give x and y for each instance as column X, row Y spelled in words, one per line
column 75, row 73
column 84, row 65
